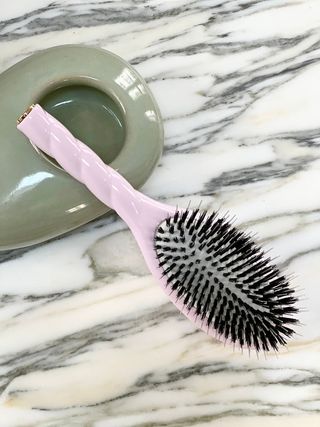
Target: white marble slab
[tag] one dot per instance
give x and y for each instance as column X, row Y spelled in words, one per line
column 87, row 337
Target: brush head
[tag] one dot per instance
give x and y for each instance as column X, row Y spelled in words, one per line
column 226, row 279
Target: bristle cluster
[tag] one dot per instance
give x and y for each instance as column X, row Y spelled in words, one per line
column 220, row 272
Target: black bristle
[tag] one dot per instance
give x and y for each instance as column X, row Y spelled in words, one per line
column 226, row 278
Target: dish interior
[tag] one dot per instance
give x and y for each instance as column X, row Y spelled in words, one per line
column 91, row 115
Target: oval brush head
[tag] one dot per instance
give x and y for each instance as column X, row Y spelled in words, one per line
column 227, row 280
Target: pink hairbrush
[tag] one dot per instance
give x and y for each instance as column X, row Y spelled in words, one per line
column 215, row 274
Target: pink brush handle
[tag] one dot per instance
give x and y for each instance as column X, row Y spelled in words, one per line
column 82, row 163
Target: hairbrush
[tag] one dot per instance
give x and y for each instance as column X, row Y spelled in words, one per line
column 214, row 273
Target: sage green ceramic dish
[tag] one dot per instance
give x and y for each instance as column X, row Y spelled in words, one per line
column 105, row 103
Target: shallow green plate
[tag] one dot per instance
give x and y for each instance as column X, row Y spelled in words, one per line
column 105, row 103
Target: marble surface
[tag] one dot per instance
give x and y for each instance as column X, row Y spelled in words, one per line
column 87, row 337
